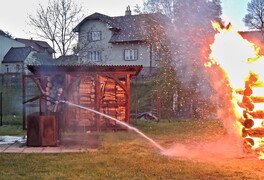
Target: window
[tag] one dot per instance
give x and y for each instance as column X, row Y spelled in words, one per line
column 7, row 68
column 130, row 54
column 94, row 36
column 17, row 68
column 94, row 56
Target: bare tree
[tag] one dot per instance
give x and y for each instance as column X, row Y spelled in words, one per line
column 254, row 19
column 55, row 23
column 162, row 6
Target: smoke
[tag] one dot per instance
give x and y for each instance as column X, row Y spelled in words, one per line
column 190, row 39
column 224, row 148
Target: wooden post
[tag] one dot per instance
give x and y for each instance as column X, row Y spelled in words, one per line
column 136, row 101
column 1, row 109
column 158, row 106
column 97, row 101
column 128, row 98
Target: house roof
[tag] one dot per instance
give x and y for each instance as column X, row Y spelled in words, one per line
column 6, row 34
column 130, row 27
column 40, row 46
column 17, row 54
column 44, row 59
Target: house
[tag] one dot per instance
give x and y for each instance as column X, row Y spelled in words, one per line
column 15, row 53
column 123, row 40
column 16, row 59
column 6, row 43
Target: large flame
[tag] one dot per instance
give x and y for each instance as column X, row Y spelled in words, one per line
column 243, row 71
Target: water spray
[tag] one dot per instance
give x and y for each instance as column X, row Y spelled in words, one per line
column 117, row 121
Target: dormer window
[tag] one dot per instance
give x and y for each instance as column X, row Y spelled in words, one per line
column 94, row 35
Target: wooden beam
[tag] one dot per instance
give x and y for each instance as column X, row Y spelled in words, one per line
column 23, row 100
column 124, row 87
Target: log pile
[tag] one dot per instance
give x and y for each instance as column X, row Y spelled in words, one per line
column 113, row 100
column 86, row 98
column 52, row 84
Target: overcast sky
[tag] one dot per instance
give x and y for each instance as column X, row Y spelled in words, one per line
column 14, row 13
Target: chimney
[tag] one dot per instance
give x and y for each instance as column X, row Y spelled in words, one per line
column 128, row 11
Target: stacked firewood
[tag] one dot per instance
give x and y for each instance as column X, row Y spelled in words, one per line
column 52, row 83
column 86, row 98
column 113, row 100
column 253, row 118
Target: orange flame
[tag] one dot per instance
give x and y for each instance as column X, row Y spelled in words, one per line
column 243, row 70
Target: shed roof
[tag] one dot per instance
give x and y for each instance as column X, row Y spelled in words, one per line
column 127, row 69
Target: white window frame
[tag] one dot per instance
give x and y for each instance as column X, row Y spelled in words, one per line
column 130, row 54
column 94, row 56
column 94, row 35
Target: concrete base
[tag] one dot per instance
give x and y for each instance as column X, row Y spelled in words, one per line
column 17, row 144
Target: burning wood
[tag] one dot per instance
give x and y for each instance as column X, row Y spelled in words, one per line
column 248, row 123
column 247, row 103
column 254, row 132
column 257, row 99
column 247, row 99
column 258, row 114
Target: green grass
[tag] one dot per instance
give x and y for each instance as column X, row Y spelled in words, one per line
column 11, row 130
column 11, row 125
column 126, row 155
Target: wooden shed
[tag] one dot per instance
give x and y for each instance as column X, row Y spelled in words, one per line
column 102, row 88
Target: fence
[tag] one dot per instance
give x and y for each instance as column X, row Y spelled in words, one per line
column 11, row 79
column 11, row 90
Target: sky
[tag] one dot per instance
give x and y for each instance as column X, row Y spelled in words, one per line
column 14, row 13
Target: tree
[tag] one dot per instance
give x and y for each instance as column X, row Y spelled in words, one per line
column 163, row 6
column 55, row 23
column 254, row 19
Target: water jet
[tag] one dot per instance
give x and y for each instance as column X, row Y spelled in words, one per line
column 117, row 121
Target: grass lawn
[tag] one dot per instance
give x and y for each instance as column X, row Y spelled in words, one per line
column 126, row 155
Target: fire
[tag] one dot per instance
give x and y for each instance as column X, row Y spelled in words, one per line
column 243, row 71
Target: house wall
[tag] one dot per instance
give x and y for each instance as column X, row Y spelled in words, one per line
column 5, row 45
column 11, row 67
column 112, row 54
